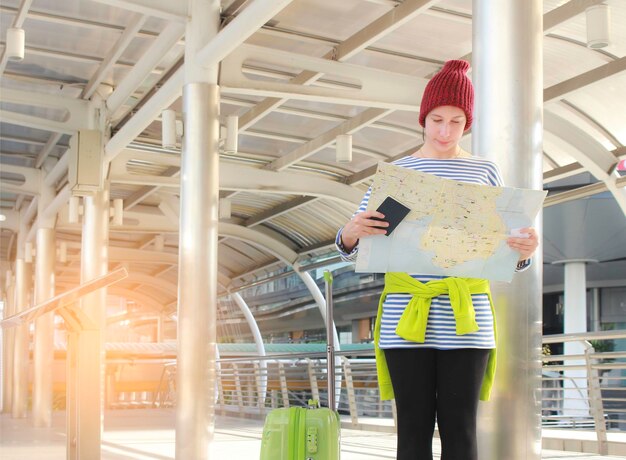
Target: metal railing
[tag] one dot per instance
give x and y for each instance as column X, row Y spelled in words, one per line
column 585, row 390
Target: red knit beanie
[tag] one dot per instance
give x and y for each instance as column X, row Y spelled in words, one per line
column 450, row 86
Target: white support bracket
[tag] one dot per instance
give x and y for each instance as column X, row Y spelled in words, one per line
column 375, row 88
column 32, row 179
column 79, row 112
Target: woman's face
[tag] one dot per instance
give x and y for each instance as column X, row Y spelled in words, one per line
column 444, row 127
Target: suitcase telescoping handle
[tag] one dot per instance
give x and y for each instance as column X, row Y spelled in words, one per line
column 330, row 338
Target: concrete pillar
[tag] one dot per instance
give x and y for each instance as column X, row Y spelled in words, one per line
column 575, row 321
column 23, row 283
column 507, row 72
column 8, row 346
column 197, row 285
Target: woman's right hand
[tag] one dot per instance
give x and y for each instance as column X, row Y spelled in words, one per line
column 362, row 225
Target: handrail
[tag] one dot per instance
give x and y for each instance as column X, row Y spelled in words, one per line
column 598, row 335
column 590, row 379
column 66, row 299
column 570, row 367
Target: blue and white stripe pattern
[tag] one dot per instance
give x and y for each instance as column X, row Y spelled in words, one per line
column 441, row 327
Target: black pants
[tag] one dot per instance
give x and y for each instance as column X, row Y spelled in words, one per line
column 445, row 384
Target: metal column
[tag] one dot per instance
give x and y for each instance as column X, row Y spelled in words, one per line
column 508, row 77
column 258, row 340
column 197, row 285
column 43, row 354
column 8, row 346
column 85, row 371
column 23, row 275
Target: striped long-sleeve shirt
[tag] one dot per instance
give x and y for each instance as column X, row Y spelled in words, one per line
column 440, row 330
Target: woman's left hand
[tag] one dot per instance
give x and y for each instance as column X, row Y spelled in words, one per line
column 525, row 246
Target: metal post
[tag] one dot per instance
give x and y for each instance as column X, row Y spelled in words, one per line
column 283, row 384
column 321, row 304
column 258, row 340
column 23, row 274
column 86, row 369
column 347, row 371
column 8, row 347
column 238, row 391
column 595, row 399
column 330, row 347
column 43, row 353
column 507, row 74
column 315, row 391
column 197, row 275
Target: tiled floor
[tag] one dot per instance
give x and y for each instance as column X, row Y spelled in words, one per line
column 148, row 434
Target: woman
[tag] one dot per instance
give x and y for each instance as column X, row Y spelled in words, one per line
column 443, row 375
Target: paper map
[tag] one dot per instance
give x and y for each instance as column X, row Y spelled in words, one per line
column 454, row 228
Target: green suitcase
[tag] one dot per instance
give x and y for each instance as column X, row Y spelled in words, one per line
column 313, row 433
column 299, row 433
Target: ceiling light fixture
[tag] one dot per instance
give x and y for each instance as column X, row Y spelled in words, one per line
column 598, row 26
column 15, row 44
column 232, row 133
column 168, row 129
column 344, row 148
column 225, row 208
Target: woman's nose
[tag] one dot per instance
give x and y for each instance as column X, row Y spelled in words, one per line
column 444, row 130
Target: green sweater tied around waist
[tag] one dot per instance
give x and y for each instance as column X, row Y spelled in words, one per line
column 412, row 324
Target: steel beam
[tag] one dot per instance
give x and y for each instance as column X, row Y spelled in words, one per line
column 32, row 178
column 377, row 88
column 130, row 32
column 47, row 148
column 588, row 152
column 228, row 39
column 578, row 82
column 164, row 9
column 256, row 238
column 18, row 22
column 78, row 110
column 44, row 124
column 357, row 42
column 327, row 139
column 144, row 66
column 554, row 18
column 236, row 177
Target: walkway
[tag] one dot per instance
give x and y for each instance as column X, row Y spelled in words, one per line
column 148, row 434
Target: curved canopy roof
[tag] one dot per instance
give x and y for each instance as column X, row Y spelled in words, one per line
column 288, row 194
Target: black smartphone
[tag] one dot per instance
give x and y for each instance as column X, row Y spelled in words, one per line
column 394, row 212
